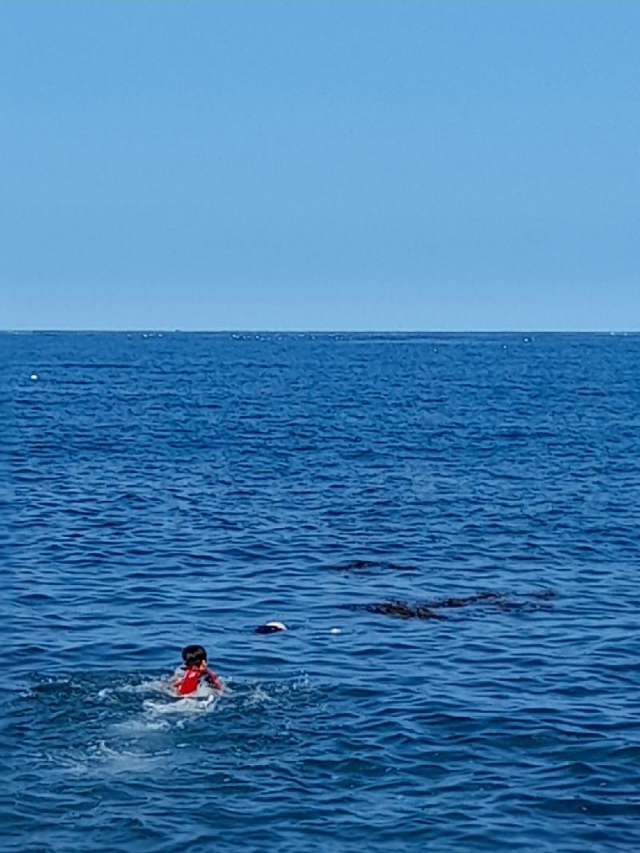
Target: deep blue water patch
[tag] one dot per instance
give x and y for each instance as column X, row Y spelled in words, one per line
column 163, row 489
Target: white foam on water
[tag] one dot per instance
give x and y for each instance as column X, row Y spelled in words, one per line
column 258, row 696
column 203, row 700
column 99, row 757
column 161, row 708
column 151, row 709
column 302, row 682
column 142, row 726
column 120, row 759
column 151, row 685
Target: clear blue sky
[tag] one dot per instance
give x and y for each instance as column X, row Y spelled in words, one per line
column 320, row 165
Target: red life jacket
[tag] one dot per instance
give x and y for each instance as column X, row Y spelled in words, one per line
column 192, row 678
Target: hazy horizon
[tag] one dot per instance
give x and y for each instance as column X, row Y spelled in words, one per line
column 303, row 331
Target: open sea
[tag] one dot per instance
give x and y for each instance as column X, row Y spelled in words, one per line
column 447, row 524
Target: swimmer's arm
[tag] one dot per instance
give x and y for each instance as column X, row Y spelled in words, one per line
column 177, row 678
column 215, row 680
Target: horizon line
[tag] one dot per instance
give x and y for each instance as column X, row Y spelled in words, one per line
column 302, row 331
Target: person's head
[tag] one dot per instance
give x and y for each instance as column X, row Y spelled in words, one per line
column 194, row 656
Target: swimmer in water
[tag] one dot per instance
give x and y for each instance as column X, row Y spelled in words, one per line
column 195, row 672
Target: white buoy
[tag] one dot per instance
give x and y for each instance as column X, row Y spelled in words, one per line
column 271, row 628
column 336, row 630
column 34, row 376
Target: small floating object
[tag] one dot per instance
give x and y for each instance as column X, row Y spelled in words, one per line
column 336, row 631
column 34, row 376
column 271, row 628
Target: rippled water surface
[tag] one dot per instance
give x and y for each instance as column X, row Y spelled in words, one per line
column 448, row 524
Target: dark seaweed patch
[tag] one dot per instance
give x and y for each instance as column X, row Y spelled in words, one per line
column 467, row 600
column 403, row 610
column 429, row 609
column 371, row 565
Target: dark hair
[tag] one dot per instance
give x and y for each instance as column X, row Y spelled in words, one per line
column 194, row 655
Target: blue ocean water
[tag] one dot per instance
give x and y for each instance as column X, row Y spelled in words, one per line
column 163, row 489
